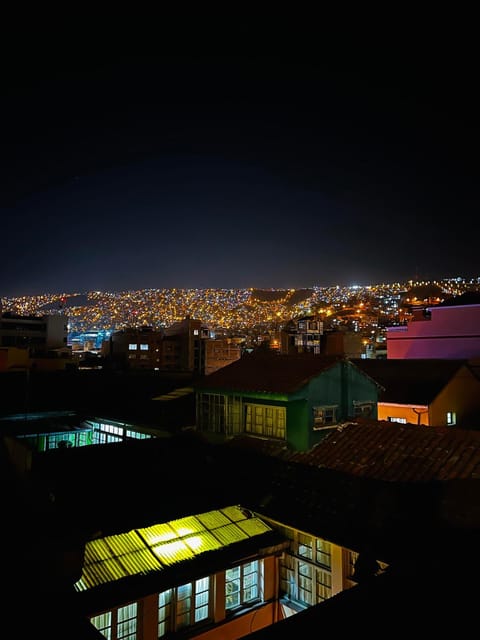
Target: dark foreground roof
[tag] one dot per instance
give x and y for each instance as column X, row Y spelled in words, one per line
column 412, row 381
column 420, row 526
column 397, row 603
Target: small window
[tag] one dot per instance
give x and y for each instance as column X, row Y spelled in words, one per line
column 363, row 409
column 132, row 346
column 324, row 416
column 451, row 418
column 144, row 347
column 394, row 419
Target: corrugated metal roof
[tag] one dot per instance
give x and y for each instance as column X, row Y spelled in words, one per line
column 154, row 548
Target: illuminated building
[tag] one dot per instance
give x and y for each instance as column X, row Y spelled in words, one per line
column 441, row 331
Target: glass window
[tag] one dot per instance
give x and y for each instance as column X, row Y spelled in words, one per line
column 242, row 585
column 127, row 622
column 451, row 418
column 265, row 420
column 305, row 569
column 183, row 606
column 132, row 347
column 144, row 347
column 118, row 624
column 363, row 408
column 324, row 416
column 103, row 623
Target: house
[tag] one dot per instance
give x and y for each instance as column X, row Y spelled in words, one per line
column 293, row 398
column 429, row 391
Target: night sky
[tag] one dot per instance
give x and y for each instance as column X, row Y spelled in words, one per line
column 127, row 172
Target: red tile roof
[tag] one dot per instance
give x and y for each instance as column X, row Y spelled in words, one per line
column 268, row 373
column 401, row 453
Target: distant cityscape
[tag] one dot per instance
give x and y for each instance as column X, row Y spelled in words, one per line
column 228, row 312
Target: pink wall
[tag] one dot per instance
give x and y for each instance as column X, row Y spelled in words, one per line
column 451, row 332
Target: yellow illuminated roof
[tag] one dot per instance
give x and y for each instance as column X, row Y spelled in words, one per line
column 154, row 548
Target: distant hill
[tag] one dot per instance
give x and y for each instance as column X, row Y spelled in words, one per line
column 271, row 295
column 80, row 300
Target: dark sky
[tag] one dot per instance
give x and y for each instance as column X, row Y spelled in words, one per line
column 128, row 172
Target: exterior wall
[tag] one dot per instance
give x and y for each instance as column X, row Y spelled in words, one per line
column 39, row 334
column 461, row 396
column 298, row 429
column 413, row 414
column 13, row 358
column 341, row 385
column 346, row 343
column 57, row 330
column 447, row 332
column 219, row 353
column 117, row 348
column 190, row 336
column 225, row 627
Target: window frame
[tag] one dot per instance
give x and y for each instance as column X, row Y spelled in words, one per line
column 324, row 416
column 242, row 575
column 176, row 611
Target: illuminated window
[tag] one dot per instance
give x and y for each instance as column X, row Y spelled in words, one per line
column 118, row 624
column 265, row 420
column 132, row 347
column 451, row 418
column 183, row 606
column 324, row 416
column 127, row 622
column 144, row 347
column 324, row 552
column 305, row 569
column 242, row 585
column 195, row 332
column 401, row 420
column 103, row 623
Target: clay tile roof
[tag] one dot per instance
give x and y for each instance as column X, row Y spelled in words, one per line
column 399, row 453
column 268, row 373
